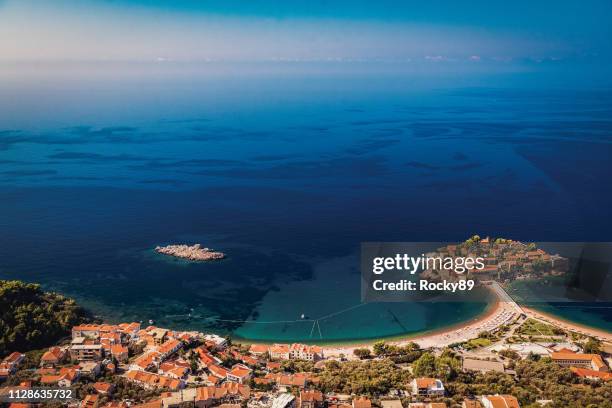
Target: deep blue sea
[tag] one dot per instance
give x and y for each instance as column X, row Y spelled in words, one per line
column 287, row 175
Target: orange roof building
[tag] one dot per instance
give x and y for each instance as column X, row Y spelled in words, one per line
column 239, row 373
column 305, row 352
column 591, row 374
column 588, row 361
column 279, row 351
column 90, row 401
column 500, row 401
column 103, row 387
column 310, row 399
column 427, row 386
column 362, row 402
column 258, row 349
column 218, row 371
column 169, row 347
column 150, row 380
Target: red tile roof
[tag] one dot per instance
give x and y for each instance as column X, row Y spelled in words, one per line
column 425, row 382
column 102, row 387
column 169, row 346
column 362, row 402
column 89, row 401
column 217, row 371
column 503, row 401
column 586, row 373
column 311, row 396
column 154, row 380
column 240, row 370
column 258, row 348
column 595, row 359
column 13, row 357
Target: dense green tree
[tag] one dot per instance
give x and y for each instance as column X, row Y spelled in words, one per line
column 362, row 353
column 447, row 367
column 297, row 366
column 592, row 346
column 380, row 348
column 511, row 354
column 32, row 319
column 425, row 366
column 370, row 377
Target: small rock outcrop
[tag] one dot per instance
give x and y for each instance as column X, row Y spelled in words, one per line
column 192, row 253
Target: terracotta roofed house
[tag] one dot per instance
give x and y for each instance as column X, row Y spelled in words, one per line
column 69, row 375
column 248, row 360
column 288, row 380
column 305, row 352
column 235, row 389
column 168, row 348
column 176, row 369
column 48, row 379
column 273, row 365
column 310, row 399
column 591, row 374
column 471, row 403
column 206, row 396
column 218, row 371
column 239, row 373
column 10, row 364
column 589, row 361
column 15, row 358
column 499, row 401
column 427, row 386
column 120, row 352
column 90, row 401
column 103, row 388
column 258, row 349
column 361, row 402
column 145, row 361
column 150, row 380
column 151, row 404
column 279, row 351
column 130, row 329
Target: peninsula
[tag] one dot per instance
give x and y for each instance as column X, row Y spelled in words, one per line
column 193, row 253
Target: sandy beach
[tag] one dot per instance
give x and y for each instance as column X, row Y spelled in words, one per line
column 567, row 325
column 503, row 311
column 498, row 314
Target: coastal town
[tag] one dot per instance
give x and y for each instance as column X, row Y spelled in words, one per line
column 126, row 365
column 512, row 356
column 503, row 260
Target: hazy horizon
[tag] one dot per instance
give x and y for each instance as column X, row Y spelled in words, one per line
column 187, row 31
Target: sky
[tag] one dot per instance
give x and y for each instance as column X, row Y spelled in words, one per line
column 437, row 31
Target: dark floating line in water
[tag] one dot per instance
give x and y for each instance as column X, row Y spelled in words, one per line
column 315, row 321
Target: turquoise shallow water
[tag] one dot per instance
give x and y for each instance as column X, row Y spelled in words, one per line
column 551, row 296
column 287, row 176
column 332, row 309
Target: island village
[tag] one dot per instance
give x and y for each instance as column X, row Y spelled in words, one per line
column 513, row 357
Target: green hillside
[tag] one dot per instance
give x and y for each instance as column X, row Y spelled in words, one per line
column 31, row 318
